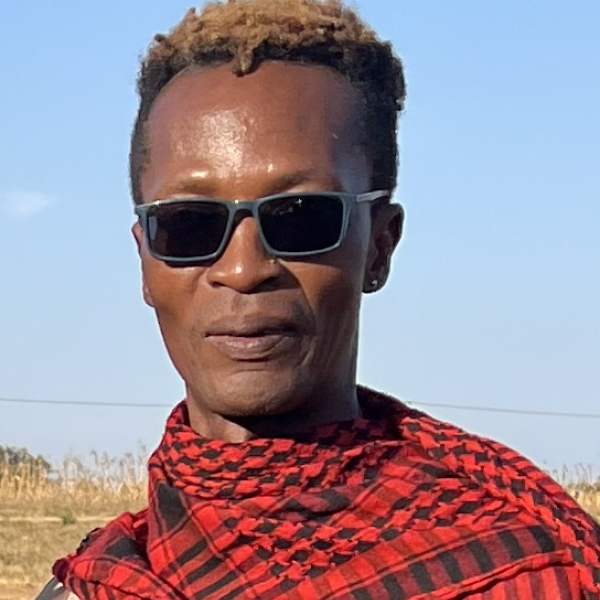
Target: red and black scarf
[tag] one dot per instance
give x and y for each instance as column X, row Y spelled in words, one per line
column 394, row 505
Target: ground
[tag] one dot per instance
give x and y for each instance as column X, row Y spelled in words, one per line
column 28, row 549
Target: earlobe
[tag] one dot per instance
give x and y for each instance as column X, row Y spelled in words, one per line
column 138, row 236
column 146, row 294
column 386, row 232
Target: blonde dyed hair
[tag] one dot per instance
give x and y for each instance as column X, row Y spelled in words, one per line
column 245, row 33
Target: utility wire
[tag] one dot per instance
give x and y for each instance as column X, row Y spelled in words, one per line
column 514, row 411
column 466, row 407
column 76, row 403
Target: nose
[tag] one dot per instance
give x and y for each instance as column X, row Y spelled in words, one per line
column 245, row 266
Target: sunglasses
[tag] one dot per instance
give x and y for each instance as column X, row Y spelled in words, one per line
column 194, row 230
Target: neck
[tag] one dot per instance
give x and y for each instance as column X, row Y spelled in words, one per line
column 321, row 409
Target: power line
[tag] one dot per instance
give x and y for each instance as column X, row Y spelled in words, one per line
column 85, row 403
column 514, row 411
column 466, row 407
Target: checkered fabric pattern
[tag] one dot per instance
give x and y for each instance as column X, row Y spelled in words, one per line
column 395, row 505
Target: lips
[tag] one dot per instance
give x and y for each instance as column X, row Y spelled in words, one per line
column 252, row 337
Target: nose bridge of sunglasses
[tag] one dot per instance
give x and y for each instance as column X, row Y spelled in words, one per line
column 239, row 211
column 242, row 209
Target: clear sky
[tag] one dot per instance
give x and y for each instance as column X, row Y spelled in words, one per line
column 494, row 299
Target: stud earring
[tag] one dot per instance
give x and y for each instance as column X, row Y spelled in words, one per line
column 373, row 285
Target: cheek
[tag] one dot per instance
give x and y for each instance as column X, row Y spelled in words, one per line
column 171, row 290
column 331, row 287
column 332, row 284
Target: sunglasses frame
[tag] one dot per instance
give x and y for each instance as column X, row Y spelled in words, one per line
column 252, row 207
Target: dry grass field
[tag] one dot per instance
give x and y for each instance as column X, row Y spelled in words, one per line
column 44, row 517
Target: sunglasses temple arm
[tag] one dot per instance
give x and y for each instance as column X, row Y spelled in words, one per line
column 139, row 217
column 372, row 196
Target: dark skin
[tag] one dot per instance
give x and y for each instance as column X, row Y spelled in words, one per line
column 266, row 347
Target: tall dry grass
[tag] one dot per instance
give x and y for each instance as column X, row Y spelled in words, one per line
column 579, row 481
column 45, row 513
column 98, row 485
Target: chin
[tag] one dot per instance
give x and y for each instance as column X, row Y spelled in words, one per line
column 254, row 394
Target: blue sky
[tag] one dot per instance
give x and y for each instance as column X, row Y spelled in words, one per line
column 494, row 299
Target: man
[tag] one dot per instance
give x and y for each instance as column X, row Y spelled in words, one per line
column 263, row 163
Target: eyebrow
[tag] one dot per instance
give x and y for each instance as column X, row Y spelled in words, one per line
column 208, row 187
column 291, row 180
column 194, row 185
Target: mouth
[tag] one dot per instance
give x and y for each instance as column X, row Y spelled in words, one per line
column 249, row 340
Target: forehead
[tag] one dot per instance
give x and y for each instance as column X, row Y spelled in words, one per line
column 284, row 118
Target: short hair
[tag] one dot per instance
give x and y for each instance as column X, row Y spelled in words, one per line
column 244, row 33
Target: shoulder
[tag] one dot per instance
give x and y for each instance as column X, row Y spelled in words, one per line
column 55, row 590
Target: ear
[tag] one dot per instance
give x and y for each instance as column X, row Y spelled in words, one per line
column 138, row 236
column 386, row 231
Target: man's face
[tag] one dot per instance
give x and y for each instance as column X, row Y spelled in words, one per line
column 252, row 335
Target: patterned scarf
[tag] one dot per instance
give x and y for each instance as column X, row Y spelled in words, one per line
column 393, row 505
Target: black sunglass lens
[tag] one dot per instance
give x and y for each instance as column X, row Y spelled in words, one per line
column 302, row 224
column 186, row 229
